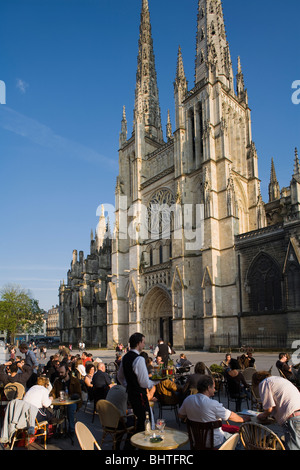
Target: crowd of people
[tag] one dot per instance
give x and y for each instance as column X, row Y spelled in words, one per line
column 132, row 386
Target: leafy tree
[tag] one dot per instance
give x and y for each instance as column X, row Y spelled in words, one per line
column 19, row 312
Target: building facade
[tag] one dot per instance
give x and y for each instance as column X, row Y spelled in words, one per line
column 192, row 238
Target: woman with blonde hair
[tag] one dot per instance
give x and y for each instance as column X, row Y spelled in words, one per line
column 38, row 396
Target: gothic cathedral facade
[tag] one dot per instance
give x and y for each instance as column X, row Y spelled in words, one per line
column 165, row 281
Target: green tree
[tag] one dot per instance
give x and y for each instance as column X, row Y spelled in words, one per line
column 19, row 312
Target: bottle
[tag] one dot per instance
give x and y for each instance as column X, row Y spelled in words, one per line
column 147, row 425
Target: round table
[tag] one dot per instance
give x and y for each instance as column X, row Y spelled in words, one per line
column 172, row 440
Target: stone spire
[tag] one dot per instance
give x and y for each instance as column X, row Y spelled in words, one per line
column 274, row 189
column 169, row 127
column 123, row 133
column 180, row 91
column 213, row 59
column 297, row 164
column 147, row 109
column 241, row 91
column 101, row 229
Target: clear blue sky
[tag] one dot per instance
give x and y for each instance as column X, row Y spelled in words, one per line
column 69, row 67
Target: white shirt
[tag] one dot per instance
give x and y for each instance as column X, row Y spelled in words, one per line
column 38, row 396
column 203, row 409
column 282, row 394
column 155, row 352
column 140, row 369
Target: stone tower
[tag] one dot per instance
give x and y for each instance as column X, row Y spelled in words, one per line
column 206, row 173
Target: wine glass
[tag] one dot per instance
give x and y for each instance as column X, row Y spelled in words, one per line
column 160, row 424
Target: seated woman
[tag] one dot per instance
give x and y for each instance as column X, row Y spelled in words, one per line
column 38, row 396
column 190, row 387
column 237, row 385
column 183, row 361
column 90, row 372
column 167, row 392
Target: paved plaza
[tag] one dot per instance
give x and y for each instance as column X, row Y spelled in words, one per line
column 263, row 362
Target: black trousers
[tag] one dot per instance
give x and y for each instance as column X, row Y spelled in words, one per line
column 140, row 406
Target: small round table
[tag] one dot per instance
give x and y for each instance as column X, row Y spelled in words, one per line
column 172, row 440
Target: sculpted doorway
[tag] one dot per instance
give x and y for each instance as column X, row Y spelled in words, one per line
column 157, row 316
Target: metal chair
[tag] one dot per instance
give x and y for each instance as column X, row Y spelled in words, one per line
column 231, row 443
column 258, row 437
column 113, row 424
column 201, row 435
column 85, row 437
column 236, row 398
column 248, row 373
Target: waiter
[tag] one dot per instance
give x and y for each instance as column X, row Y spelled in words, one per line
column 162, row 350
column 133, row 375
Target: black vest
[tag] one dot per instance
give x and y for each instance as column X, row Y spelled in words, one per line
column 163, row 352
column 131, row 379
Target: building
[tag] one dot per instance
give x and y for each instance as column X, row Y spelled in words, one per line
column 52, row 321
column 195, row 252
column 82, row 300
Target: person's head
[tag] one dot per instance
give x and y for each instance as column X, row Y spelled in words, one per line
column 137, row 341
column 283, row 357
column 206, row 385
column 84, row 355
column 90, row 368
column 259, row 376
column 182, row 356
column 23, row 348
column 144, row 355
column 43, row 381
column 63, row 371
column 234, row 364
column 227, row 357
column 159, row 360
column 13, row 368
column 199, row 368
column 101, row 366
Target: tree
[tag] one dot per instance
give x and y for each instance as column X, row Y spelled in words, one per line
column 19, row 312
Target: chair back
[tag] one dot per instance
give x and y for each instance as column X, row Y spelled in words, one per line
column 201, row 435
column 109, row 414
column 248, row 373
column 231, row 443
column 14, row 391
column 255, row 436
column 85, row 437
column 281, row 373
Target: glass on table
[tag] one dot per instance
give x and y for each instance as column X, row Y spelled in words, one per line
column 160, row 425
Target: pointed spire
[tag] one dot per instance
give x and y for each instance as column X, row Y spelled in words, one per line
column 297, row 164
column 101, row 229
column 241, row 92
column 147, row 109
column 180, row 75
column 213, row 59
column 123, row 133
column 169, row 127
column 274, row 189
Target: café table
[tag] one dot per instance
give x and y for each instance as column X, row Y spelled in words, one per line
column 172, row 439
column 63, row 403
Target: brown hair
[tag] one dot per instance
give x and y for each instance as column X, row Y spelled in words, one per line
column 259, row 376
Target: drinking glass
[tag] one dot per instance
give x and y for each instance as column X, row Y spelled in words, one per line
column 160, row 424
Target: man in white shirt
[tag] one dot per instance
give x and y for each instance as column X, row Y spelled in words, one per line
column 281, row 399
column 203, row 409
column 133, row 375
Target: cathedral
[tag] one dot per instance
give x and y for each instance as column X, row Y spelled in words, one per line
column 195, row 255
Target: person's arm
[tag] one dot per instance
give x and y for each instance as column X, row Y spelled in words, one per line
column 238, row 419
column 140, row 369
column 265, row 414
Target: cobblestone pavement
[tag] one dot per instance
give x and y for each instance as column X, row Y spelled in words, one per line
column 263, row 362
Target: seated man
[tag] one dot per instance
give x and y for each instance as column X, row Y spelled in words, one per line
column 183, row 361
column 203, row 409
column 12, row 372
column 101, row 382
column 286, row 369
column 167, row 392
column 66, row 382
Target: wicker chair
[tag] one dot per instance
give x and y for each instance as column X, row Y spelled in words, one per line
column 231, row 443
column 201, row 435
column 257, row 437
column 113, row 424
column 40, row 429
column 85, row 437
column 14, row 391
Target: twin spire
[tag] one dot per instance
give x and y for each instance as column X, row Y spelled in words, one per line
column 213, row 61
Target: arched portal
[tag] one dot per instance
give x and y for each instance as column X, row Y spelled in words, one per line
column 157, row 315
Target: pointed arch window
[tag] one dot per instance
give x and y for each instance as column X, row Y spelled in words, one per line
column 265, row 285
column 293, row 285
